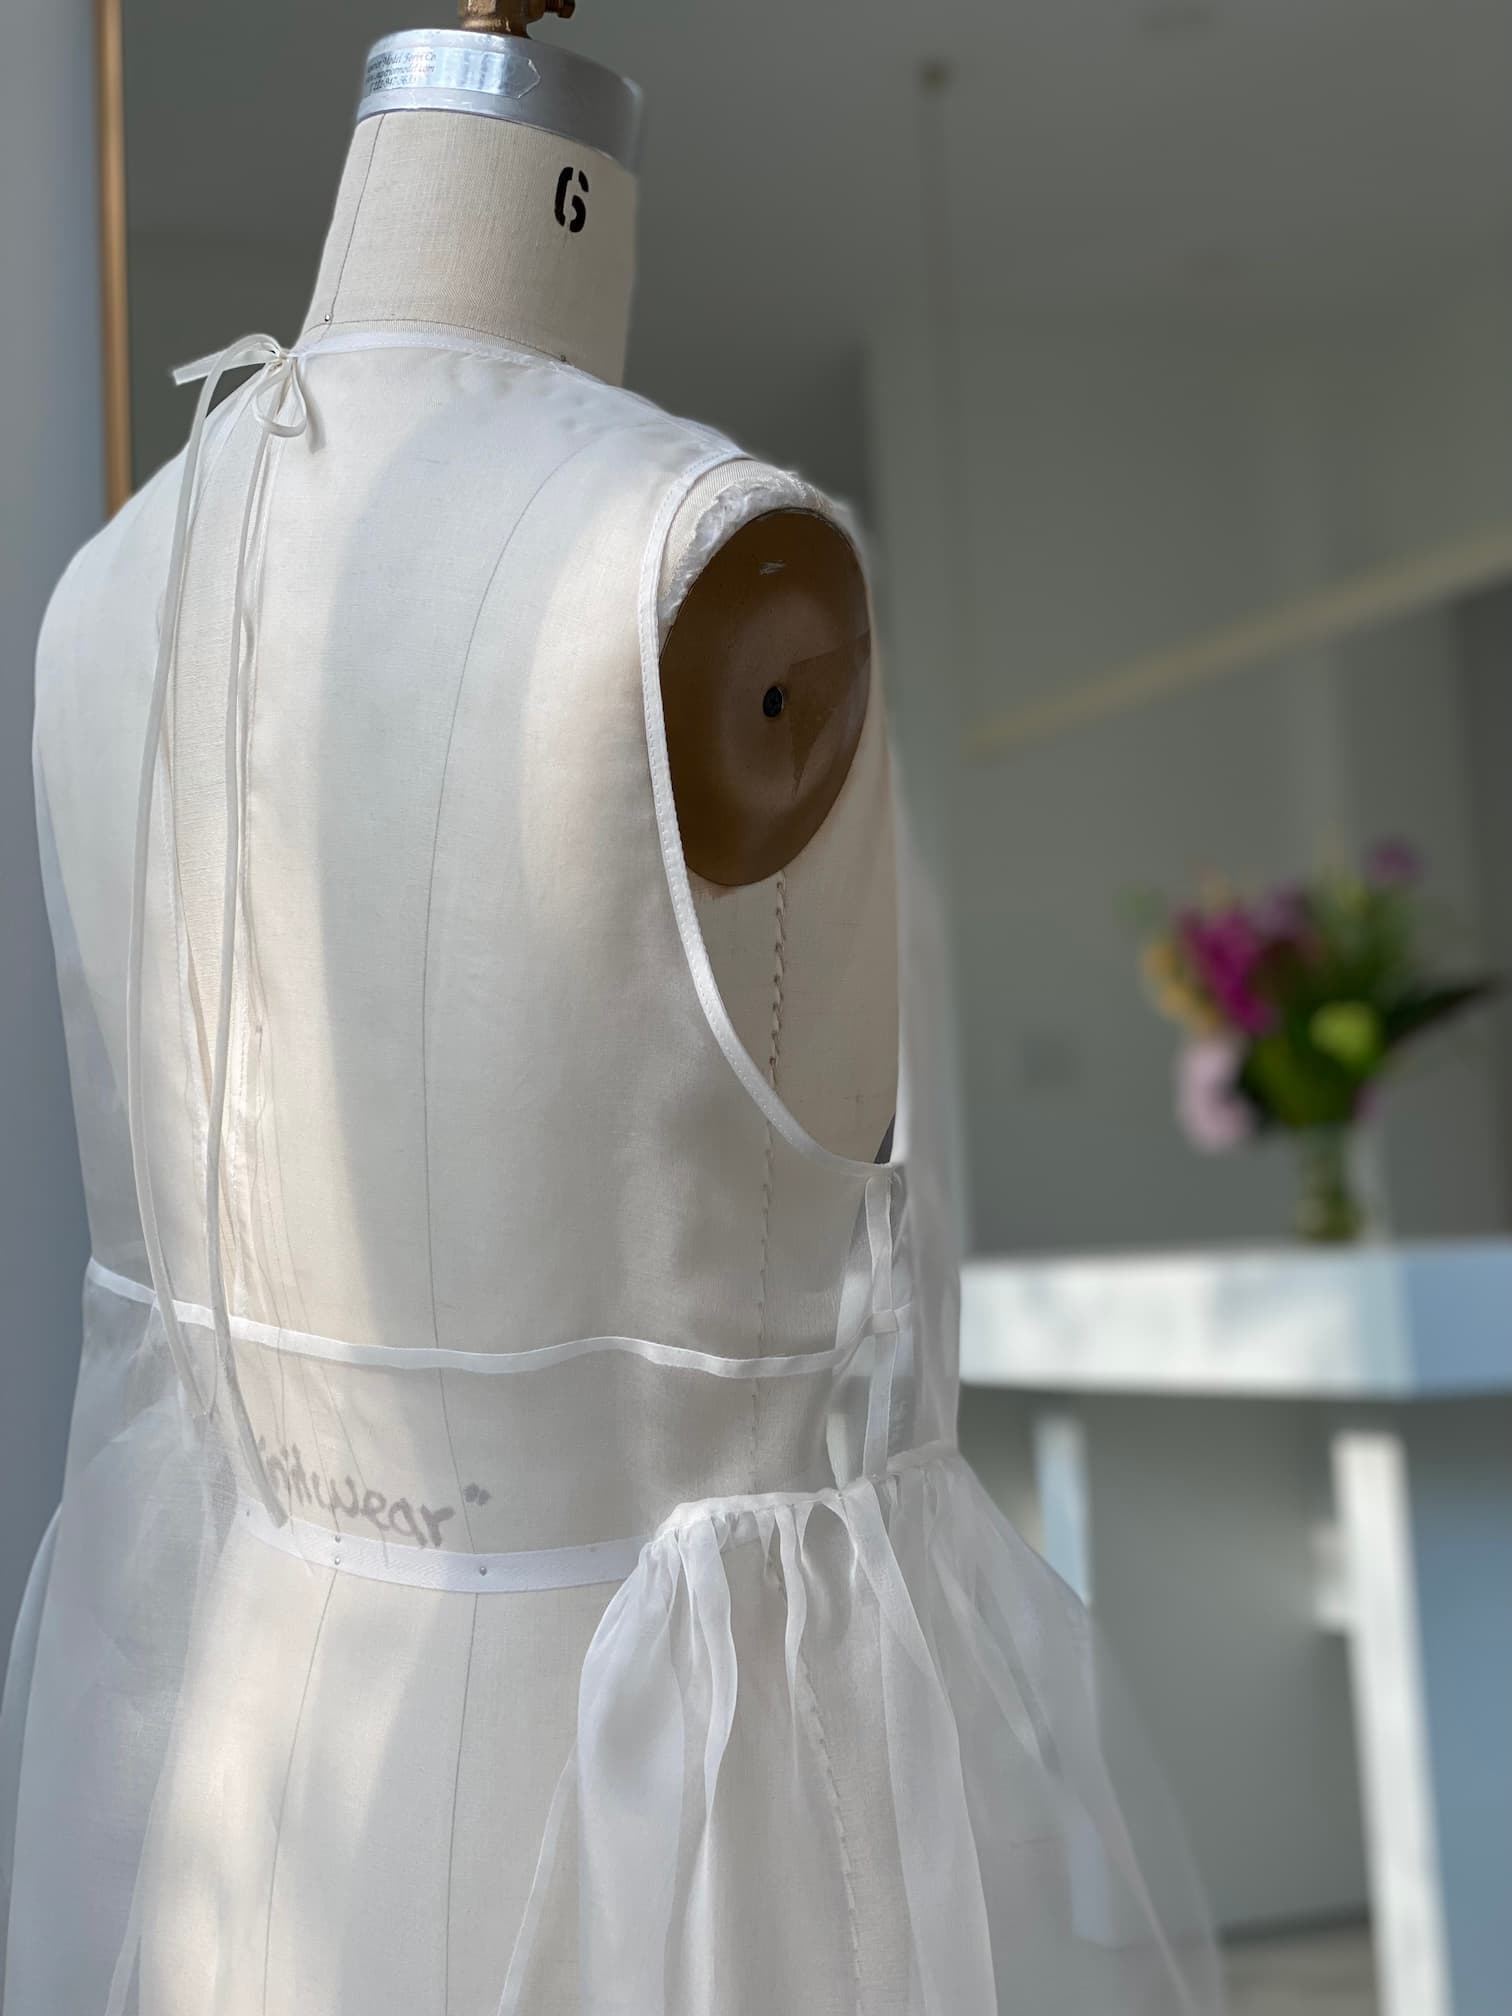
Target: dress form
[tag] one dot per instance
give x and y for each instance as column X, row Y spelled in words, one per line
column 569, row 1595
column 516, row 231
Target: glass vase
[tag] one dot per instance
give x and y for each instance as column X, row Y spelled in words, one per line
column 1329, row 1212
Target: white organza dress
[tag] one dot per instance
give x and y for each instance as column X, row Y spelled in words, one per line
column 498, row 1571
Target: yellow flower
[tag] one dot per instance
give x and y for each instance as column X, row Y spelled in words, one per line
column 1159, row 962
column 1172, row 990
column 1183, row 1004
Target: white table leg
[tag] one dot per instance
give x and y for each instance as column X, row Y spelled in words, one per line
column 1103, row 1909
column 1371, row 1491
column 1060, row 1476
column 1425, row 1508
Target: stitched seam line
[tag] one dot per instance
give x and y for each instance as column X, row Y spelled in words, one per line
column 774, row 1058
column 774, row 1053
column 451, row 1845
column 809, row 1700
column 346, row 250
column 283, row 1797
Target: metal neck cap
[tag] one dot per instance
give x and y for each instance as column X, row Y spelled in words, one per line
column 505, row 77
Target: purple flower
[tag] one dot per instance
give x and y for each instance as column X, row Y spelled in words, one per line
column 1392, row 863
column 1214, row 1114
column 1225, row 950
column 1283, row 916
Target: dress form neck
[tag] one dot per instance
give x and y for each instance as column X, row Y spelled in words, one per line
column 486, row 226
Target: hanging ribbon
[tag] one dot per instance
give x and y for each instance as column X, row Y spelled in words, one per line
column 884, row 1325
column 278, row 403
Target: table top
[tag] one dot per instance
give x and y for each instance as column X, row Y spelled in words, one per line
column 1384, row 1322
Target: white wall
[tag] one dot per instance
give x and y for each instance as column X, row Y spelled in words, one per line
column 50, row 496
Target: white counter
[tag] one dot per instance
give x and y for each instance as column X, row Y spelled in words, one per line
column 1368, row 1322
column 1402, row 1355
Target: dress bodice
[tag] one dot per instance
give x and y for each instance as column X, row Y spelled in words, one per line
column 482, row 1093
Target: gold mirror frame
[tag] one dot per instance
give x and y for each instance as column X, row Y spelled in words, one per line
column 115, row 336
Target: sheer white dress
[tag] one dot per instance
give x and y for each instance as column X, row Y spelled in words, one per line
column 498, row 1570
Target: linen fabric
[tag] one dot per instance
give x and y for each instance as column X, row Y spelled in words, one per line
column 514, row 1556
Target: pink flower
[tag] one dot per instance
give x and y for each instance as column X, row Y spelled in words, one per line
column 1214, row 1114
column 1392, row 863
column 1282, row 916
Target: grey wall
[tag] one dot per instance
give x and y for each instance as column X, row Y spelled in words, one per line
column 1484, row 629
column 1053, row 502
column 50, row 501
column 1117, row 488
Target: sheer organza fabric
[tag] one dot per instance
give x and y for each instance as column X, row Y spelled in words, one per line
column 464, row 1599
column 830, row 1749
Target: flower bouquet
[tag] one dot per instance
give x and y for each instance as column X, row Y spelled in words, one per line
column 1295, row 1007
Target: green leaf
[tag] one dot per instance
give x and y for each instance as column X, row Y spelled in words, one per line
column 1350, row 1033
column 1425, row 1007
column 1295, row 1085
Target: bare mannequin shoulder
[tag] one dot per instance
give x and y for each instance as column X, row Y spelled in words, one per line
column 765, row 677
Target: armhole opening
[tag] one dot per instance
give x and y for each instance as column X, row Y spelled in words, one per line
column 731, row 506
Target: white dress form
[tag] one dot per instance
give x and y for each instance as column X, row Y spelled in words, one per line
column 426, row 241
column 443, row 219
column 573, row 1600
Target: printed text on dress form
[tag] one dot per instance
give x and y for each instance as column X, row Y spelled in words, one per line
column 298, row 1486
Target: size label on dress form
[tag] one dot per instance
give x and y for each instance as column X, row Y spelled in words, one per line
column 571, row 208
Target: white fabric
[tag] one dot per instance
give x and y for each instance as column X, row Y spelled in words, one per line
column 431, row 1081
column 491, row 1364
column 14, row 1701
column 733, row 506
column 597, row 1562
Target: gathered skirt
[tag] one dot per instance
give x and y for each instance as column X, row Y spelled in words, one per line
column 850, row 1751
